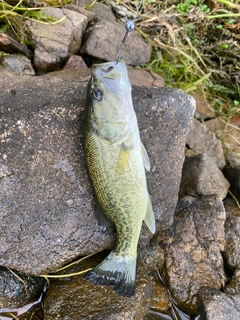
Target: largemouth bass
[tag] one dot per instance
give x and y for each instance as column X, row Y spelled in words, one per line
column 115, row 160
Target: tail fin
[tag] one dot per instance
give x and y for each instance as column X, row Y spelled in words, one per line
column 115, row 271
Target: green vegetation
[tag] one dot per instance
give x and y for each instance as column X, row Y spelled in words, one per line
column 199, row 51
column 238, row 204
column 195, row 47
column 12, row 18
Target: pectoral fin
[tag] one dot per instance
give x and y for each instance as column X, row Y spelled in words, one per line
column 145, row 157
column 123, row 158
column 149, row 218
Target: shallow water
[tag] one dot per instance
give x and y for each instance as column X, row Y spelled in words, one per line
column 31, row 311
column 173, row 313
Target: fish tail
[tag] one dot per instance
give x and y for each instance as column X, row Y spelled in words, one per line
column 115, row 271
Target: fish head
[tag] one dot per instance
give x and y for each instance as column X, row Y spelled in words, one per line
column 109, row 97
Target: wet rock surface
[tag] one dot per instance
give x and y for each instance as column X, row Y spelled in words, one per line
column 47, row 207
column 216, row 305
column 232, row 249
column 75, row 298
column 160, row 300
column 193, row 247
column 232, row 227
column 152, row 255
column 26, row 287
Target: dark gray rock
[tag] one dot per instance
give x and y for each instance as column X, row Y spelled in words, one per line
column 103, row 41
column 216, row 305
column 124, row 12
column 103, row 12
column 152, row 255
column 10, row 45
column 232, row 249
column 77, row 62
column 82, row 3
column 233, row 286
column 47, row 208
column 90, row 15
column 232, row 229
column 143, row 77
column 232, row 174
column 202, row 140
column 16, row 288
column 75, row 298
column 17, row 63
column 4, row 73
column 193, row 248
column 202, row 177
column 55, row 43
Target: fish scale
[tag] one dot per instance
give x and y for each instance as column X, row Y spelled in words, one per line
column 115, row 160
column 116, row 204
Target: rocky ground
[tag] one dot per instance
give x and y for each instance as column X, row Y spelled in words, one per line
column 47, row 209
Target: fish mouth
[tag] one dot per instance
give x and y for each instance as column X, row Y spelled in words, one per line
column 113, row 75
column 111, row 70
column 107, row 69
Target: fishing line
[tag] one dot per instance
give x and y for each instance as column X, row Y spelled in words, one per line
column 129, row 26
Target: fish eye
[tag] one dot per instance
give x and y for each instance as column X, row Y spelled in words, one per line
column 97, row 94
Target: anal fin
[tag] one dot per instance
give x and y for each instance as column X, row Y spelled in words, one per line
column 145, row 157
column 149, row 217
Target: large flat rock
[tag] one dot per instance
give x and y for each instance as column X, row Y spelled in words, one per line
column 47, row 214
